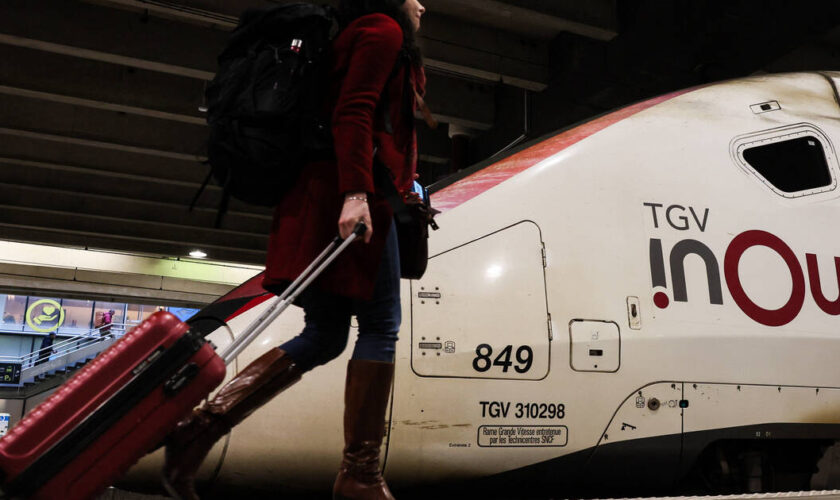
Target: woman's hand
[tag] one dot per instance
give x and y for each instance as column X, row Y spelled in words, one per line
column 355, row 209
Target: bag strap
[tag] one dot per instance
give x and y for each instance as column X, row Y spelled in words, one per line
column 382, row 178
column 426, row 111
column 383, row 181
column 385, row 104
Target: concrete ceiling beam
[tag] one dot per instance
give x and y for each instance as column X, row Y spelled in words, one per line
column 110, row 32
column 27, row 285
column 216, row 15
column 231, row 8
column 129, row 209
column 113, row 88
column 77, row 141
column 69, row 263
column 56, row 235
column 597, row 13
column 106, row 106
column 544, row 18
column 72, row 120
column 52, row 149
column 113, row 278
column 101, row 84
column 108, row 57
column 517, row 19
column 98, row 182
column 134, row 229
column 462, row 48
column 477, row 37
column 163, row 45
column 474, row 63
column 455, row 100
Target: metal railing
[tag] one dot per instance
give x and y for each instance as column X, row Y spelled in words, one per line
column 69, row 351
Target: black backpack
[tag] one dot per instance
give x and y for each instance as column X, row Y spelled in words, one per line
column 264, row 107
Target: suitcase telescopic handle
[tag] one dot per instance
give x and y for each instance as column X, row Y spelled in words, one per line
column 291, row 293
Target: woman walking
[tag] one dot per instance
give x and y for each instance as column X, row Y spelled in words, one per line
column 376, row 80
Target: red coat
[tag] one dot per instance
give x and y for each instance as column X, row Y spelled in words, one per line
column 364, row 57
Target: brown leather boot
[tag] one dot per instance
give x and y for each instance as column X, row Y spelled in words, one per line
column 192, row 439
column 365, row 401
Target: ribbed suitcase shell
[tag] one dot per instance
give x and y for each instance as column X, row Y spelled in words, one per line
column 137, row 429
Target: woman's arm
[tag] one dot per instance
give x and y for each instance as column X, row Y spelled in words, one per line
column 374, row 54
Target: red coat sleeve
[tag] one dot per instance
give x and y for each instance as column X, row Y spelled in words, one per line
column 373, row 56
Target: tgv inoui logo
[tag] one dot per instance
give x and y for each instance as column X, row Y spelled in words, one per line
column 731, row 260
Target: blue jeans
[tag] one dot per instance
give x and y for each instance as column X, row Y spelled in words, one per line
column 327, row 318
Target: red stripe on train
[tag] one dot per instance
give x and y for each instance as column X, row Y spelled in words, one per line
column 251, row 304
column 479, row 182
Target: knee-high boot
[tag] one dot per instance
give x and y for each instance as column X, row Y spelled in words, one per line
column 191, row 441
column 365, row 401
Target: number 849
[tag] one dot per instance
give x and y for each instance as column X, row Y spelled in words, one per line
column 524, row 358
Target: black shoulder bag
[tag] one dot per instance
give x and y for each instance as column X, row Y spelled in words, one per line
column 413, row 219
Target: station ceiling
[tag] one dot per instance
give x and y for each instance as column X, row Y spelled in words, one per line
column 102, row 139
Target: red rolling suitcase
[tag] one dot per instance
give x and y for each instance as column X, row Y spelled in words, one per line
column 124, row 403
column 109, row 414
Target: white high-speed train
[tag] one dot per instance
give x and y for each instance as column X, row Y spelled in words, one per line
column 647, row 302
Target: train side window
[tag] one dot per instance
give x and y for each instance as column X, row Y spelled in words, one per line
column 792, row 165
column 793, row 161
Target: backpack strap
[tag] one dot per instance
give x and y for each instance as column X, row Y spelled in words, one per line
column 223, row 205
column 202, row 188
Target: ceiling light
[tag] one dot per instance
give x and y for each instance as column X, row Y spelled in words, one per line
column 198, row 254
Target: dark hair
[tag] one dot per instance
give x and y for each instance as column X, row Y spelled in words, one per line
column 350, row 10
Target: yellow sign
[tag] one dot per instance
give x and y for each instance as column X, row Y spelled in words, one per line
column 45, row 319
